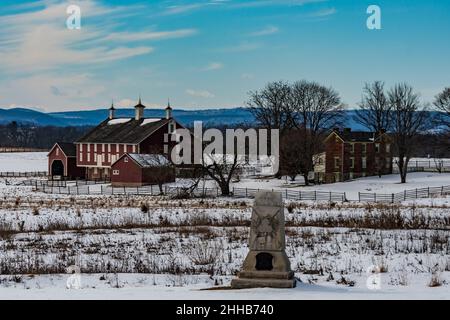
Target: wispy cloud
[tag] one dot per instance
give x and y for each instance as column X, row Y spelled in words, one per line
column 243, row 47
column 200, row 93
column 213, row 66
column 150, row 35
column 324, row 13
column 36, row 40
column 265, row 32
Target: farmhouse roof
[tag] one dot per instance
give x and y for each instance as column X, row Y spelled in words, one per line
column 123, row 130
column 348, row 135
column 68, row 148
column 149, row 160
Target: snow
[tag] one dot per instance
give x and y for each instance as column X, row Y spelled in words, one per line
column 23, row 162
column 150, row 120
column 119, row 121
column 385, row 184
column 152, row 287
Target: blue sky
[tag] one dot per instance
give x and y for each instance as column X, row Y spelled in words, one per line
column 210, row 53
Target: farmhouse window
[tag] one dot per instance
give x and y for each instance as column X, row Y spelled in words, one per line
column 116, row 172
column 377, row 147
column 352, row 147
column 364, row 148
column 88, row 148
column 336, row 162
column 95, row 147
column 88, row 157
column 57, row 151
column 364, row 162
column 81, row 156
column 81, row 147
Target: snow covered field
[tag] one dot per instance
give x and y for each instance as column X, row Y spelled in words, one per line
column 385, row 184
column 23, row 162
column 158, row 248
column 138, row 247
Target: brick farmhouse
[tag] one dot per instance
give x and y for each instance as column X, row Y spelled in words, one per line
column 353, row 154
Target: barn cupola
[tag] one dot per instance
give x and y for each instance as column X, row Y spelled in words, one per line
column 112, row 111
column 139, row 110
column 168, row 110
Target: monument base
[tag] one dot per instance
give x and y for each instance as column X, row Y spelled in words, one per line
column 264, row 281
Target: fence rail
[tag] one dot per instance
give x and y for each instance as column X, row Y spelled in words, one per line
column 23, row 174
column 405, row 195
column 100, row 188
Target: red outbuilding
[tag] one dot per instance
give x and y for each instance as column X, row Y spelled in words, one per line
column 133, row 170
column 62, row 162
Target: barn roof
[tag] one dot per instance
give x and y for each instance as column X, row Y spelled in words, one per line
column 68, row 148
column 348, row 135
column 149, row 160
column 123, row 130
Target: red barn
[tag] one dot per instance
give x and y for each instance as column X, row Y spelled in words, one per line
column 62, row 161
column 132, row 170
column 111, row 139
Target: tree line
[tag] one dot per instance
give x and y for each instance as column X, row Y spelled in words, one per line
column 26, row 135
column 304, row 112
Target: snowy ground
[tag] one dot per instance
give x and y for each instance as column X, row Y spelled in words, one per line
column 157, row 248
column 385, row 184
column 143, row 286
column 23, row 162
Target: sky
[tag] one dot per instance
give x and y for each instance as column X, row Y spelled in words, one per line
column 211, row 53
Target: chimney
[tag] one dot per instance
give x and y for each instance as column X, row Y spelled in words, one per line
column 139, row 110
column 112, row 111
column 168, row 111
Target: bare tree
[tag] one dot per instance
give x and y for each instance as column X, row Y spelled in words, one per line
column 374, row 108
column 409, row 119
column 316, row 109
column 222, row 168
column 163, row 170
column 442, row 102
column 290, row 149
column 271, row 106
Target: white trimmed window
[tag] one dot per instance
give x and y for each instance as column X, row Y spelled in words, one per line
column 117, row 148
column 125, row 159
column 88, row 148
column 134, row 148
column 95, row 147
column 88, row 157
column 116, row 172
column 108, row 147
column 364, row 162
column 57, row 151
column 81, row 147
column 364, row 148
column 81, row 156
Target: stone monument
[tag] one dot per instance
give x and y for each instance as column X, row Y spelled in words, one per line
column 267, row 264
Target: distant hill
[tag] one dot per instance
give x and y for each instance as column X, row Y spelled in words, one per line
column 210, row 117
